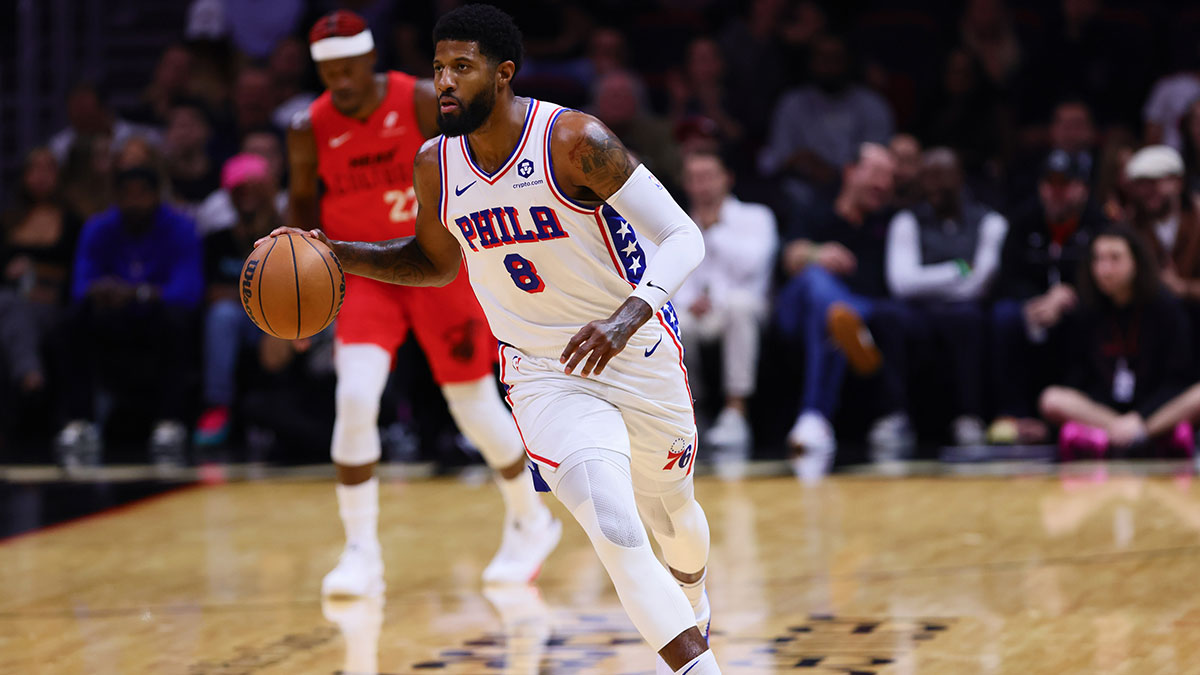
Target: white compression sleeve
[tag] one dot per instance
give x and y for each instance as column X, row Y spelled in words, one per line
column 652, row 211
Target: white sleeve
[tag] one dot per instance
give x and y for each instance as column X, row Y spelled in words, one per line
column 992, row 231
column 652, row 211
column 906, row 276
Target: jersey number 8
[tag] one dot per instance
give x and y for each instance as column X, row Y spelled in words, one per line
column 523, row 273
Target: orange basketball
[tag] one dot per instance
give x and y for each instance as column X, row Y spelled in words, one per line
column 292, row 286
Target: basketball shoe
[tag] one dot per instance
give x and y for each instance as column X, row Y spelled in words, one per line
column 359, row 573
column 523, row 548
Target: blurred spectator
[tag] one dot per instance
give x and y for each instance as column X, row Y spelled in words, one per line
column 1071, row 131
column 967, row 114
column 758, row 49
column 172, row 81
column 192, row 170
column 987, row 33
column 836, row 302
column 254, row 100
column 1189, row 129
column 289, row 68
column 818, row 128
column 617, row 101
column 39, row 234
column 217, row 211
column 608, row 51
column 726, row 299
column 1113, row 187
column 906, row 150
column 256, row 27
column 1167, row 216
column 1168, row 102
column 700, row 91
column 228, row 331
column 137, row 281
column 942, row 257
column 1130, row 353
column 40, row 231
column 88, row 115
column 206, row 20
column 87, row 175
column 1047, row 239
column 289, row 405
column 555, row 31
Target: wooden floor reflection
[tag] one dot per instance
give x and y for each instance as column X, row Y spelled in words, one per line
column 1035, row 575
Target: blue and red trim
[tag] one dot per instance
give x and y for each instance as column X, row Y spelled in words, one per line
column 491, row 179
column 548, row 165
column 512, row 410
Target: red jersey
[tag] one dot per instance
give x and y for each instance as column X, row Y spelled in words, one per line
column 367, row 166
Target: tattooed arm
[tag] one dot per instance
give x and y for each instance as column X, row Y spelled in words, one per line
column 591, row 165
column 431, row 258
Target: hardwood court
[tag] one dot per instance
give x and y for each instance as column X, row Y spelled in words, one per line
column 1035, row 575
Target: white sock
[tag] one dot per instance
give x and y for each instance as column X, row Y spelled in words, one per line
column 695, row 591
column 359, row 508
column 705, row 664
column 520, row 499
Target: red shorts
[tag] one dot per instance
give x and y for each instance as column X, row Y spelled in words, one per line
column 448, row 322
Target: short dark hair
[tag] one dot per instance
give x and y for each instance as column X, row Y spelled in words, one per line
column 1146, row 284
column 492, row 29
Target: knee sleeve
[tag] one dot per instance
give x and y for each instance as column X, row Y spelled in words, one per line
column 362, row 371
column 600, row 496
column 680, row 527
column 485, row 420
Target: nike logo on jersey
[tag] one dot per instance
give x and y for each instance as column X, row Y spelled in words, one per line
column 654, row 348
column 458, row 192
column 337, row 141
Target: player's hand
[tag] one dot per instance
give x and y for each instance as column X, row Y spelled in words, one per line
column 599, row 341
column 311, row 234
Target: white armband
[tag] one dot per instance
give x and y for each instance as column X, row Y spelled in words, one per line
column 652, row 211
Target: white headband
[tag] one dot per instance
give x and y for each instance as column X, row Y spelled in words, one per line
column 330, row 48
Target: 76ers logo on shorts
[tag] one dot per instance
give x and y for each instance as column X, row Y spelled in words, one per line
column 679, row 455
column 525, row 168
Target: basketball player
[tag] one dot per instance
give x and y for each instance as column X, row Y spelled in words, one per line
column 528, row 194
column 359, row 139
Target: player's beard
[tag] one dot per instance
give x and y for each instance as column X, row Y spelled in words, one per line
column 470, row 116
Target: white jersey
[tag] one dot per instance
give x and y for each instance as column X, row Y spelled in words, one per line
column 542, row 265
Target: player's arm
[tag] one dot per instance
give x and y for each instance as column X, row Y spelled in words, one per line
column 431, row 258
column 426, row 108
column 595, row 166
column 302, row 163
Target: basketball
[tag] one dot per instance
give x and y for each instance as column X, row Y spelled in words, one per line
column 292, row 286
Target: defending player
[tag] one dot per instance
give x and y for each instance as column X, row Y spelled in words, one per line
column 528, row 194
column 359, row 139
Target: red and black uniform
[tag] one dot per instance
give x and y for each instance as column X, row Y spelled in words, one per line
column 367, row 169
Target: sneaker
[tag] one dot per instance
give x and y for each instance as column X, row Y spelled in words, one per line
column 1182, row 441
column 79, row 446
column 851, row 335
column 891, row 438
column 359, row 573
column 703, row 622
column 1080, row 441
column 213, row 426
column 360, row 621
column 731, row 430
column 813, row 445
column 168, row 444
column 523, row 548
column 968, row 430
column 1003, row 431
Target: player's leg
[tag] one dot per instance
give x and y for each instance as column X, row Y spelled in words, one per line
column 596, row 487
column 369, row 328
column 453, row 333
column 581, row 445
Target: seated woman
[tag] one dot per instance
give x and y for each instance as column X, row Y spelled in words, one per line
column 1130, row 358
